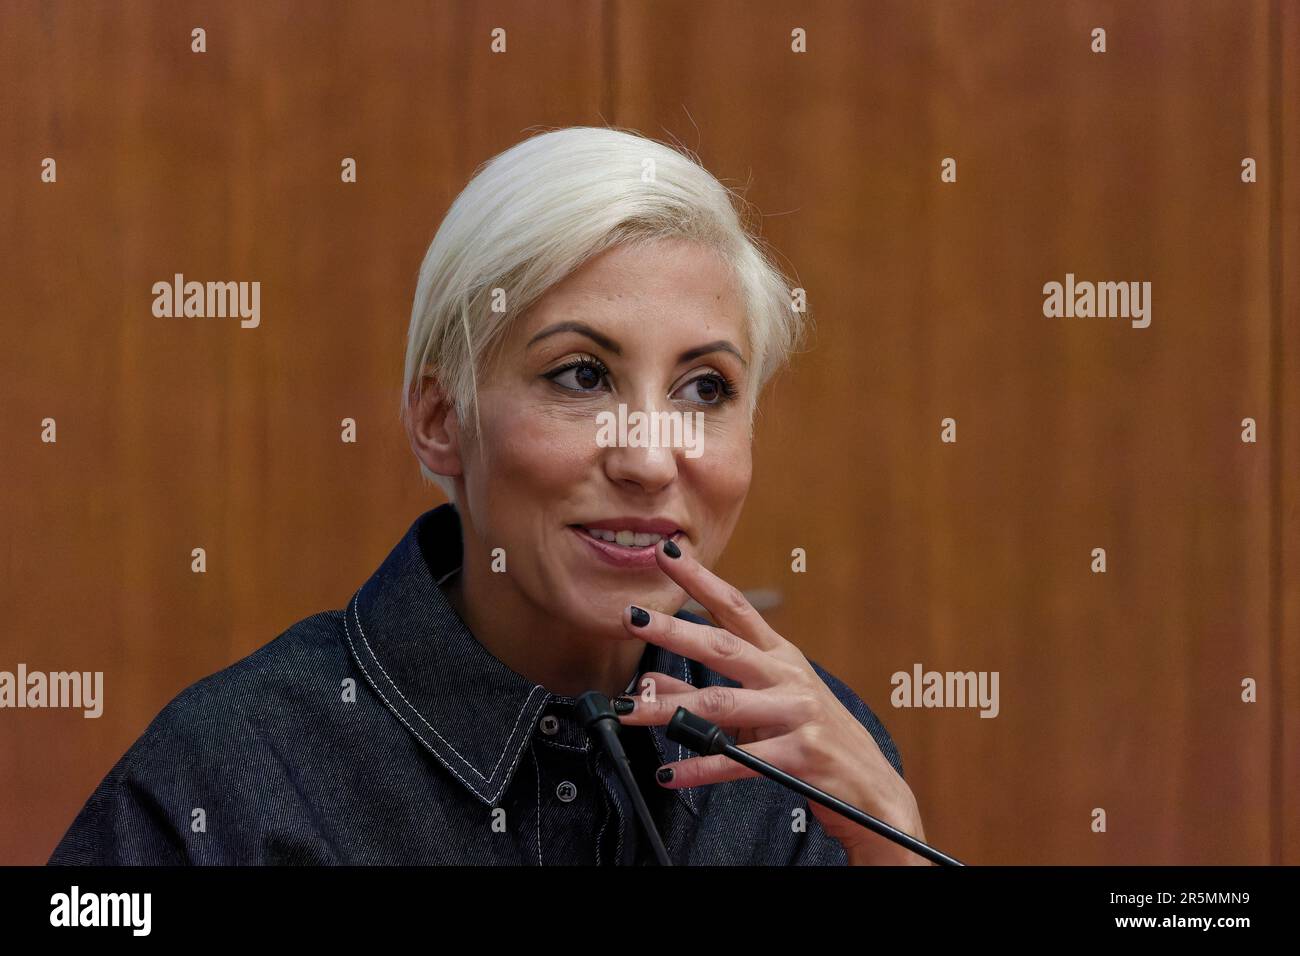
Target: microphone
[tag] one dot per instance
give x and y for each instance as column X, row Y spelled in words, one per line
column 705, row 738
column 601, row 723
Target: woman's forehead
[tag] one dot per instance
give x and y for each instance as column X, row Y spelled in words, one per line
column 666, row 290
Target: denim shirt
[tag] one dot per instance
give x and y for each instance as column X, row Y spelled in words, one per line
column 385, row 733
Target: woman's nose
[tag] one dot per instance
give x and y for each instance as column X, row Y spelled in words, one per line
column 639, row 449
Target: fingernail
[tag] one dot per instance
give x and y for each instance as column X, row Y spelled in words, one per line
column 639, row 617
column 664, row 774
column 623, row 705
column 671, row 549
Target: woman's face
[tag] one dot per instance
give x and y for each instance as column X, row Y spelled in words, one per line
column 658, row 327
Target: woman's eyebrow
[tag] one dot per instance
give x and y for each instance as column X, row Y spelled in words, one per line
column 605, row 342
column 722, row 345
column 582, row 328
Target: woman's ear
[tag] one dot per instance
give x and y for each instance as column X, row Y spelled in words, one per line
column 433, row 429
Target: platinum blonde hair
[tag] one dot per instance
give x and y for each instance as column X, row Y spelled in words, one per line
column 533, row 214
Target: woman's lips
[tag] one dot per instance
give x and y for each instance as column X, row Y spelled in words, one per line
column 616, row 554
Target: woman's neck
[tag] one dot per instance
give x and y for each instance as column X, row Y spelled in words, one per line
column 530, row 642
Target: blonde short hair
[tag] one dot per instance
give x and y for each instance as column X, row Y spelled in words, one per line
column 533, row 214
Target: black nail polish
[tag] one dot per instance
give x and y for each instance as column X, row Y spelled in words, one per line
column 671, row 549
column 664, row 774
column 623, row 705
column 639, row 617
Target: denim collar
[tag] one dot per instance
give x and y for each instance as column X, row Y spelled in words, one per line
column 470, row 710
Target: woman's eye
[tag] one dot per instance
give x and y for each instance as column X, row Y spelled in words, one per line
column 708, row 390
column 581, row 376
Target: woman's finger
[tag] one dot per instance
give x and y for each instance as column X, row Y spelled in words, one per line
column 713, row 647
column 719, row 768
column 725, row 706
column 726, row 604
column 654, row 683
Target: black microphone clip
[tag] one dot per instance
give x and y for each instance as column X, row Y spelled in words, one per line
column 600, row 720
column 697, row 734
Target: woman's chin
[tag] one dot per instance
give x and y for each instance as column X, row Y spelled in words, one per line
column 603, row 619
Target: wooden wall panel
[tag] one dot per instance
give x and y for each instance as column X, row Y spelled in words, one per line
column 1118, row 691
column 172, row 436
column 1284, row 378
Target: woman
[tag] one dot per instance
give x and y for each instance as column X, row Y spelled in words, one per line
column 432, row 719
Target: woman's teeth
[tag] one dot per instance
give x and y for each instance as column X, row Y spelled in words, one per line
column 627, row 539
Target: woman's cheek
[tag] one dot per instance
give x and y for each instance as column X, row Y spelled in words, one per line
column 728, row 473
column 737, row 478
column 540, row 448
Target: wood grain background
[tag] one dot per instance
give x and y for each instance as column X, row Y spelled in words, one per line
column 1119, row 691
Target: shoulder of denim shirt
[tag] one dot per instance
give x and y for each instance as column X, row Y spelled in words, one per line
column 843, row 693
column 281, row 680
column 175, row 750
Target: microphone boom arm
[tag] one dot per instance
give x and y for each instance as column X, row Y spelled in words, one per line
column 706, row 738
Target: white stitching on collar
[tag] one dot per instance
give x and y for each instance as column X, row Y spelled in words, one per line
column 357, row 616
column 537, row 770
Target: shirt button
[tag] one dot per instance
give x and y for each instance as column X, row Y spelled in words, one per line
column 550, row 725
column 566, row 791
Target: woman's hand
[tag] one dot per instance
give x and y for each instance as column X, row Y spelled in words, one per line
column 783, row 712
